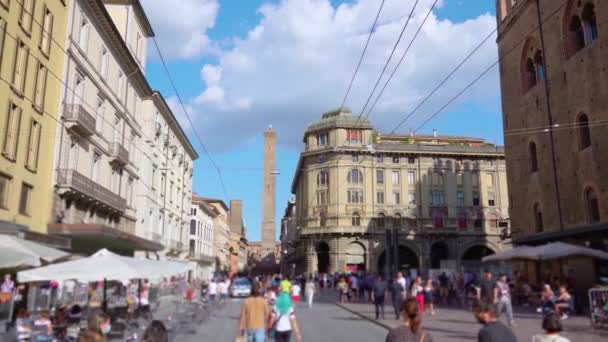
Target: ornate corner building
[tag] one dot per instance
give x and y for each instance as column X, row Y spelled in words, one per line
column 384, row 202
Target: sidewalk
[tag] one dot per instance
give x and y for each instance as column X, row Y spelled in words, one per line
column 451, row 324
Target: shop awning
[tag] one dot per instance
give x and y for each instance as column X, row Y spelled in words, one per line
column 16, row 252
column 555, row 250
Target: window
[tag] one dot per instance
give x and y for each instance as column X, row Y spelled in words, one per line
column 533, row 157
column 411, row 177
column 171, row 192
column 354, row 136
column 593, row 208
column 380, row 176
column 397, row 220
column 121, row 86
column 355, row 158
column 459, row 179
column 438, row 220
column 321, row 197
column 584, row 134
column 24, row 201
column 129, row 194
column 40, row 88
column 20, row 67
column 355, row 196
column 33, row 146
column 437, row 198
column 437, row 179
column 460, row 198
column 380, row 197
column 411, row 160
column 491, row 199
column 476, row 198
column 192, row 227
column 162, row 185
column 323, row 178
column 11, row 132
column 47, row 32
column 395, row 177
column 356, row 220
column 530, row 79
column 540, row 66
column 103, row 63
column 354, row 177
column 138, row 46
column 493, row 222
column 25, row 16
column 322, row 139
column 380, row 159
column 395, row 160
column 396, row 197
column 490, row 179
column 83, row 34
column 478, row 222
column 99, row 114
column 411, row 198
column 154, row 175
column 462, row 221
column 538, row 218
column 2, row 35
column 5, row 182
column 380, row 221
column 322, row 219
column 589, row 23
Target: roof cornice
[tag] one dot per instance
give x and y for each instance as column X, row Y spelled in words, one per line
column 160, row 102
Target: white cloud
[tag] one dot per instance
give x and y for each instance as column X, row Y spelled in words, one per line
column 297, row 62
column 181, row 27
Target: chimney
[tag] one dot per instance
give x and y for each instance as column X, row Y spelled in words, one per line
column 236, row 216
column 434, row 133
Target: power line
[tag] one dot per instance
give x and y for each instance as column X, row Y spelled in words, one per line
column 400, row 60
column 179, row 98
column 371, row 32
column 525, row 37
column 409, row 17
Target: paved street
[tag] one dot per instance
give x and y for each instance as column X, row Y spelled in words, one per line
column 324, row 322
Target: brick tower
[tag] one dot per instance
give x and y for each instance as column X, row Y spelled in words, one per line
column 269, row 192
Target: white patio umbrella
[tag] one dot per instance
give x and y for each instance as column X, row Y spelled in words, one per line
column 104, row 265
column 554, row 250
column 18, row 253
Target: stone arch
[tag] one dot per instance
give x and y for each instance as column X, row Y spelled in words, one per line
column 409, row 257
column 528, row 67
column 477, row 243
column 439, row 251
column 322, row 250
column 356, row 256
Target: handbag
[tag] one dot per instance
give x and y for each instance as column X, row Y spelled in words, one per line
column 273, row 328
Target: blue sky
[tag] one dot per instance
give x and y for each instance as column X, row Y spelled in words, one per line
column 236, row 142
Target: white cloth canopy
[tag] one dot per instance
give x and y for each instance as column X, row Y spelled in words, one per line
column 105, row 265
column 554, row 250
column 17, row 253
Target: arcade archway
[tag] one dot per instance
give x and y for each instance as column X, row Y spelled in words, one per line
column 439, row 251
column 355, row 257
column 322, row 257
column 408, row 259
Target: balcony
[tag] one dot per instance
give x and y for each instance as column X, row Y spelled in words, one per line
column 77, row 119
column 119, row 154
column 335, row 230
column 79, row 185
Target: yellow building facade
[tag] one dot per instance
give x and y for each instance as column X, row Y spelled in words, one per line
column 32, row 37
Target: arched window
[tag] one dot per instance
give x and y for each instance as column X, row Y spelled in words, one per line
column 438, row 220
column 539, row 65
column 397, row 220
column 323, row 178
column 584, row 134
column 577, row 34
column 593, row 208
column 533, row 157
column 355, row 177
column 589, row 23
column 530, row 79
column 322, row 219
column 538, row 218
column 356, row 220
column 380, row 221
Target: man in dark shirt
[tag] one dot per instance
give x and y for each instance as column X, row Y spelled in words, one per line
column 397, row 291
column 493, row 330
column 486, row 293
column 379, row 290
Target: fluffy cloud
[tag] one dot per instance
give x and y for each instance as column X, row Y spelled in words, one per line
column 183, row 33
column 297, row 62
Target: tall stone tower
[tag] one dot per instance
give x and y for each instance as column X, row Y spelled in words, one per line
column 269, row 191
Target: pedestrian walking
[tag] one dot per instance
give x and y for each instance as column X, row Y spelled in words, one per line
column 503, row 298
column 354, row 287
column 552, row 326
column 6, row 289
column 295, row 292
column 417, row 292
column 254, row 312
column 342, row 289
column 411, row 330
column 309, row 290
column 486, row 287
column 428, row 296
column 397, row 292
column 223, row 290
column 401, row 280
column 493, row 330
column 378, row 294
column 283, row 320
column 212, row 290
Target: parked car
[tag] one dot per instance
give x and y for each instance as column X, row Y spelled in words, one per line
column 241, row 287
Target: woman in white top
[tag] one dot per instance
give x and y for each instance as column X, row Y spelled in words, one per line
column 283, row 320
column 295, row 292
column 310, row 289
column 552, row 325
